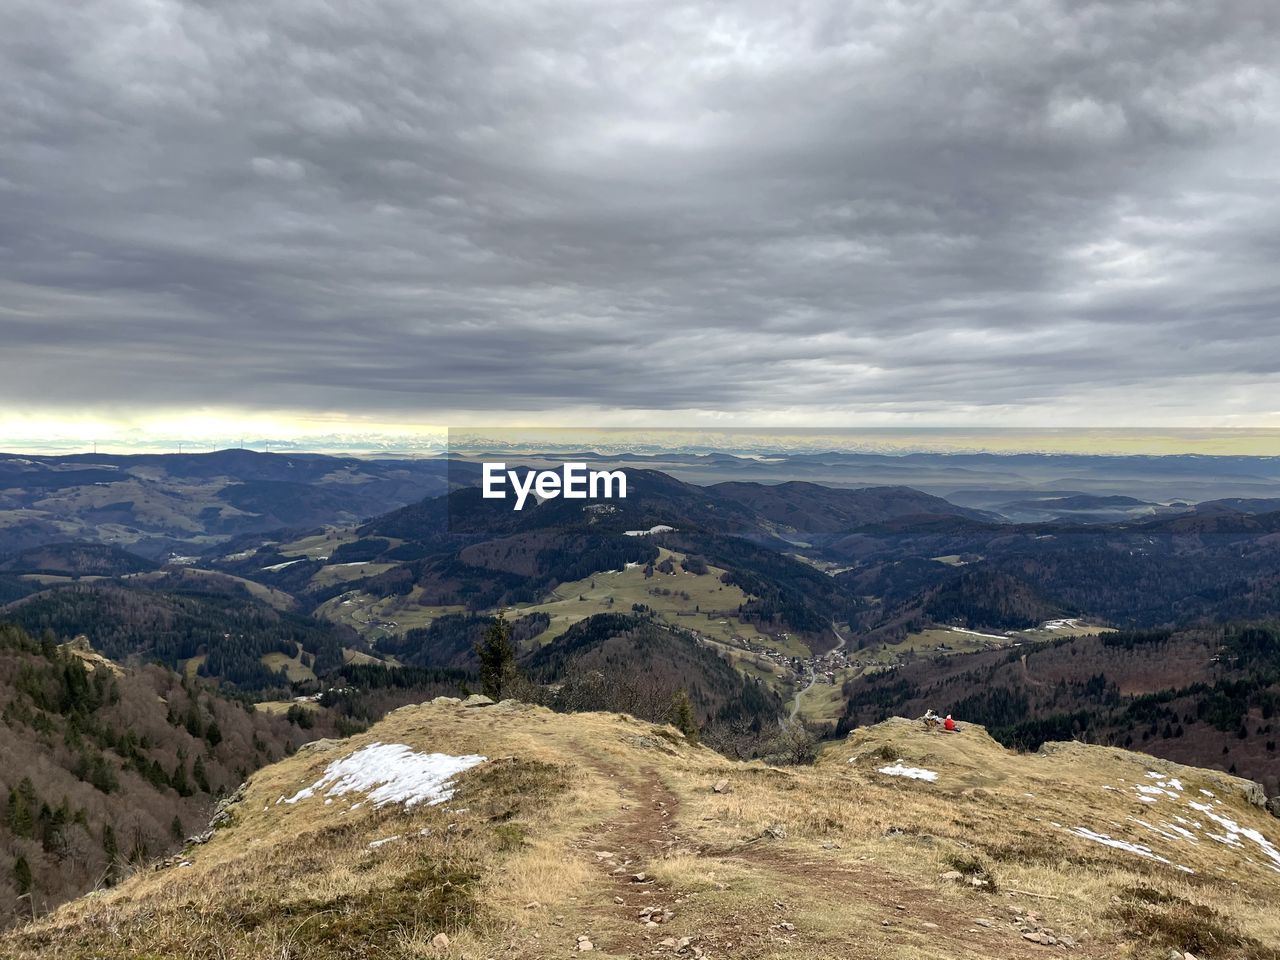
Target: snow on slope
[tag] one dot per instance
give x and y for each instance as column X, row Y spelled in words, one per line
column 390, row 773
column 912, row 773
column 1181, row 825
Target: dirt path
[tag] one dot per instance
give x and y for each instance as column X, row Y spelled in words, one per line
column 632, row 915
column 623, row 850
column 906, row 906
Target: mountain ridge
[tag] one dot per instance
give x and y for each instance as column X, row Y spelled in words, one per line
column 541, row 834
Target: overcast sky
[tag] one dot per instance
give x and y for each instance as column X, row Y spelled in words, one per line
column 400, row 211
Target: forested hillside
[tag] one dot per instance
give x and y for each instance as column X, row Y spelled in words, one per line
column 104, row 767
column 628, row 663
column 231, row 631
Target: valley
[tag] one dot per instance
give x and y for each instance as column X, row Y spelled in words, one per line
column 790, row 615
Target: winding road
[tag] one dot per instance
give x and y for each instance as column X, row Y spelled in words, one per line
column 813, row 677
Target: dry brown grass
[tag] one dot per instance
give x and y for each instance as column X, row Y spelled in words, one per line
column 835, row 860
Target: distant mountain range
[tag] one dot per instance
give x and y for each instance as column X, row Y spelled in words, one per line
column 159, row 504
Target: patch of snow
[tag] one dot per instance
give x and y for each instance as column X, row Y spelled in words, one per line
column 391, row 773
column 1107, row 841
column 375, row 844
column 287, row 563
column 658, row 528
column 913, row 773
column 1179, row 829
column 1233, row 832
column 1154, row 829
column 975, row 633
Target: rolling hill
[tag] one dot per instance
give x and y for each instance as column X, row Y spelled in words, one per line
column 158, row 505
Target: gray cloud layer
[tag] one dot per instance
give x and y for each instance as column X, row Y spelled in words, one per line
column 399, row 206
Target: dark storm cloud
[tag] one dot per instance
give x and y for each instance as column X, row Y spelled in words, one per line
column 392, row 207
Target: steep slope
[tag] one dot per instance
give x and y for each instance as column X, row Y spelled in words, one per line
column 630, row 663
column 1202, row 695
column 510, row 831
column 103, row 767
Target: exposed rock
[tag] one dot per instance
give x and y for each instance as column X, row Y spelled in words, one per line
column 652, row 916
column 1273, row 806
column 322, row 744
column 477, row 700
column 1040, row 937
column 440, row 941
column 1254, row 793
column 951, row 876
column 720, row 786
column 222, row 816
column 441, row 701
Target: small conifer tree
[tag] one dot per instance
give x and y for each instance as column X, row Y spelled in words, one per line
column 497, row 658
column 682, row 717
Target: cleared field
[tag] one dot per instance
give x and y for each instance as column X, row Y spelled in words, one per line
column 951, row 560
column 193, row 665
column 321, row 545
column 823, row 702
column 377, row 617
column 953, row 640
column 1064, row 628
column 282, row 706
column 345, row 572
column 667, row 595
column 293, row 667
column 359, row 656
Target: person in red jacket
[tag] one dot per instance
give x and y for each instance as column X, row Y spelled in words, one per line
column 949, row 725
